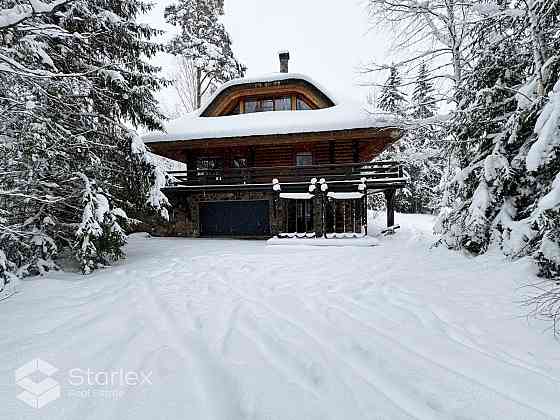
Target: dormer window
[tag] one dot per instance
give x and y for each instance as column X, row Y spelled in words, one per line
column 268, row 104
column 283, row 104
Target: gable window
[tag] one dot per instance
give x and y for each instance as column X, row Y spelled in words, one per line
column 304, row 159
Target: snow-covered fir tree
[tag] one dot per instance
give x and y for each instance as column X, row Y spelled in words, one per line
column 425, row 159
column 391, row 98
column 203, row 40
column 424, row 102
column 74, row 176
column 507, row 142
column 417, row 150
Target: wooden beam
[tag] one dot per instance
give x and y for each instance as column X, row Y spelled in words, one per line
column 387, row 135
column 390, row 197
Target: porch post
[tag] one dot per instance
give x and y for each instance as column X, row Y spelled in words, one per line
column 365, row 212
column 323, row 215
column 390, row 198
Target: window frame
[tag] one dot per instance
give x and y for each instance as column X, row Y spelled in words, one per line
column 306, row 154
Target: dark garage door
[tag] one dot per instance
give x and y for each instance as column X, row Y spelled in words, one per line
column 234, row 218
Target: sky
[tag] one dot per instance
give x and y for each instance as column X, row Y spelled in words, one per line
column 328, row 40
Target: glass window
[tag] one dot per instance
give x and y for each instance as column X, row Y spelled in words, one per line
column 251, row 106
column 304, row 159
column 206, row 163
column 239, row 163
column 266, row 105
column 283, row 104
column 302, row 105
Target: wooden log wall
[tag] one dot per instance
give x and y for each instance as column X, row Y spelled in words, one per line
column 278, row 155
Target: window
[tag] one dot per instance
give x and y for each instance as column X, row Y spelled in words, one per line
column 251, row 106
column 301, row 105
column 283, row 104
column 211, row 168
column 239, row 163
column 267, row 105
column 304, row 159
column 209, row 165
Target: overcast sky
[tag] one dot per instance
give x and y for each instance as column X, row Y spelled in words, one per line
column 328, row 40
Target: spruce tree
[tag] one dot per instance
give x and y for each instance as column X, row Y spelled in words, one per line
column 76, row 175
column 423, row 99
column 392, row 99
column 204, row 39
column 506, row 141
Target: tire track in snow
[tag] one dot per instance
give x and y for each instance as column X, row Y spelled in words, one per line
column 420, row 355
column 398, row 401
column 216, row 388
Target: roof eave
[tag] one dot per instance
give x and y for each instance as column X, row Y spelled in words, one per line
column 393, row 132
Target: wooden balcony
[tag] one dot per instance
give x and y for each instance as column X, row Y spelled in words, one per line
column 383, row 175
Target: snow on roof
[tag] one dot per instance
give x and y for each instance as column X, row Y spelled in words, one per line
column 267, row 78
column 342, row 116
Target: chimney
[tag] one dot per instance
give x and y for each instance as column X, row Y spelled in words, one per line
column 284, row 61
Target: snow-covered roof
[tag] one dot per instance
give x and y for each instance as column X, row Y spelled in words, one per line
column 266, row 78
column 341, row 116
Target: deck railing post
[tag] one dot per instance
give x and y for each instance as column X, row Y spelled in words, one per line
column 390, row 198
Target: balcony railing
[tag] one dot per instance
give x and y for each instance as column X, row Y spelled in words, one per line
column 375, row 172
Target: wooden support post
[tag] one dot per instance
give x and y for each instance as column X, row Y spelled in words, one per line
column 365, row 214
column 390, row 198
column 323, row 216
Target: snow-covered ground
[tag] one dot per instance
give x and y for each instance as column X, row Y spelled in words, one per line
column 223, row 329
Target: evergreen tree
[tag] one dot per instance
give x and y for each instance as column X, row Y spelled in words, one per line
column 75, row 175
column 423, row 100
column 417, row 150
column 508, row 145
column 392, row 99
column 204, row 39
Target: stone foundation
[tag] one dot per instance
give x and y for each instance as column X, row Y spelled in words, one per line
column 184, row 214
column 185, row 220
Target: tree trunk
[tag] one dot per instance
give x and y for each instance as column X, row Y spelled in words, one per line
column 198, row 88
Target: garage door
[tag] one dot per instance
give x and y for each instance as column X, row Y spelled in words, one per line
column 234, row 218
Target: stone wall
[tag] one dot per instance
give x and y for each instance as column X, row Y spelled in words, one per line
column 184, row 214
column 185, row 222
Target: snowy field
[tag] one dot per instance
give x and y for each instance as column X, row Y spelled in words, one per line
column 226, row 330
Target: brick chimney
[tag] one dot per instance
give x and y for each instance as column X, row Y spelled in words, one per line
column 284, row 61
